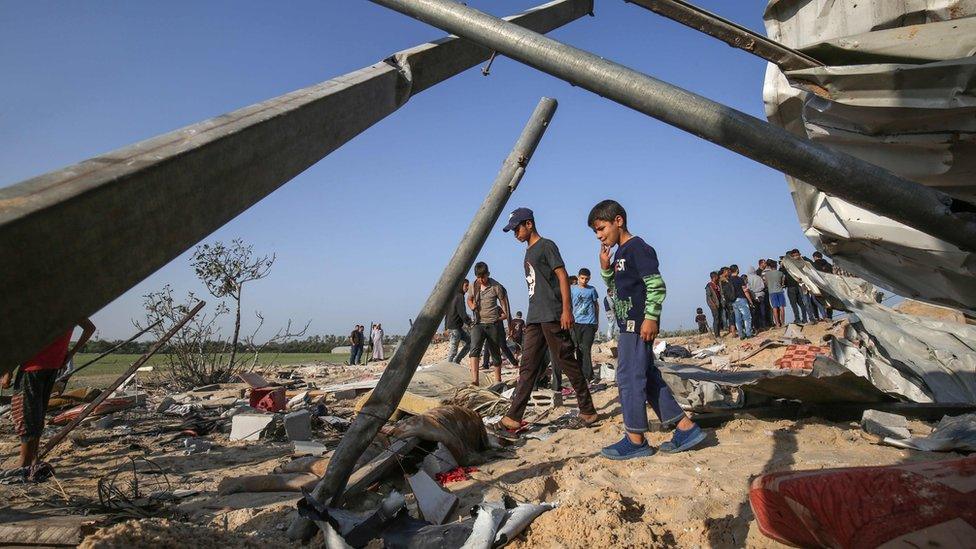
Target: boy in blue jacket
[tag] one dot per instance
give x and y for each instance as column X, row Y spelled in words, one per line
column 635, row 281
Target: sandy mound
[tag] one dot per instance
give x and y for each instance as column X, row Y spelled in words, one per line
column 164, row 534
column 596, row 518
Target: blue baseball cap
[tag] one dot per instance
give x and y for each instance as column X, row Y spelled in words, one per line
column 519, row 215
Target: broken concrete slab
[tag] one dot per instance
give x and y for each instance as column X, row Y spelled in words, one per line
column 885, row 424
column 436, row 504
column 250, row 426
column 298, row 425
column 308, row 448
column 431, row 386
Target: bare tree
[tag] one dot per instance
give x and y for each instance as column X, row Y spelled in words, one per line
column 225, row 269
column 198, row 355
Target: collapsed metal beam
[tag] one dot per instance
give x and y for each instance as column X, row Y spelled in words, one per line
column 833, row 172
column 75, row 239
column 731, row 33
column 393, row 384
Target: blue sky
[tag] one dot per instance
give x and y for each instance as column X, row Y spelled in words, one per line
column 362, row 235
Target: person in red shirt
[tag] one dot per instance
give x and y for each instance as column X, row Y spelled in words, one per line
column 39, row 375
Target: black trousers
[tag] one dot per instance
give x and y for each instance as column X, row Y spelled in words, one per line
column 583, row 336
column 716, row 320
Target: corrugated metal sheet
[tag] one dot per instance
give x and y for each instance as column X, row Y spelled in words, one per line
column 899, row 90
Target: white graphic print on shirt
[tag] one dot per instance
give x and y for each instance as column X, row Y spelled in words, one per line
column 530, row 278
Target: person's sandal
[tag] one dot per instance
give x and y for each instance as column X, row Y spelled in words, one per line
column 504, row 433
column 576, row 422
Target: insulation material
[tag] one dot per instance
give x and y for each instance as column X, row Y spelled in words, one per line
column 898, row 90
column 926, row 504
column 912, row 357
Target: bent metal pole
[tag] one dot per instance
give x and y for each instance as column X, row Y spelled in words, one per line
column 392, row 385
column 833, row 172
column 119, row 217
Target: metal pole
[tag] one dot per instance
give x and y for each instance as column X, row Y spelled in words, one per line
column 67, row 375
column 391, row 387
column 107, row 392
column 833, row 172
column 121, row 216
column 731, row 33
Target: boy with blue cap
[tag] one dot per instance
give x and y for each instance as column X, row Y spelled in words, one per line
column 635, row 281
column 547, row 324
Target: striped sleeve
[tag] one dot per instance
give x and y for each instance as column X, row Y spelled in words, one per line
column 656, row 292
column 607, row 275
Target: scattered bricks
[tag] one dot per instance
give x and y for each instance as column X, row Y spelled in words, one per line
column 298, row 425
column 249, row 426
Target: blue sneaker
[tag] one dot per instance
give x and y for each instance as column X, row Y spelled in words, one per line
column 625, row 449
column 683, row 440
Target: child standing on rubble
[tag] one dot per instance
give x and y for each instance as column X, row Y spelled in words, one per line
column 547, row 324
column 634, row 278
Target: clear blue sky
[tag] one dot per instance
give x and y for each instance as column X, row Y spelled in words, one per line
column 362, row 235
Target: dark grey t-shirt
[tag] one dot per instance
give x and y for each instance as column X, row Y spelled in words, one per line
column 545, row 300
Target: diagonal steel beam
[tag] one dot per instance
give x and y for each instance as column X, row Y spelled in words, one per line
column 731, row 33
column 393, row 384
column 833, row 172
column 73, row 240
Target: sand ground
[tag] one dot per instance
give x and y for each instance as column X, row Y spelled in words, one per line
column 695, row 499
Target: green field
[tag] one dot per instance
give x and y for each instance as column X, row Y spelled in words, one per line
column 106, row 370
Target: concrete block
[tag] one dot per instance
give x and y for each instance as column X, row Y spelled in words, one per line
column 885, row 424
column 436, row 504
column 249, row 426
column 298, row 425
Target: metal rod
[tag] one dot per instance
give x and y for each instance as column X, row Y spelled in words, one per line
column 64, row 378
column 121, row 216
column 833, row 172
column 731, row 33
column 392, row 385
column 59, row 437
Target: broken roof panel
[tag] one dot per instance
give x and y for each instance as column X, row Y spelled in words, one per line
column 899, row 90
column 914, row 357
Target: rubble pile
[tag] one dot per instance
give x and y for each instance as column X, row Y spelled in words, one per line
column 230, row 463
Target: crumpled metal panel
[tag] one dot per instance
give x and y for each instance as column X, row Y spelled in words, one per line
column 914, row 114
column 915, row 358
column 828, row 382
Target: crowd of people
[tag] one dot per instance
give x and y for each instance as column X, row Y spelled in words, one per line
column 745, row 304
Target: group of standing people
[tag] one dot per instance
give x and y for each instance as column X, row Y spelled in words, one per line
column 747, row 303
column 357, row 342
column 562, row 322
column 485, row 338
